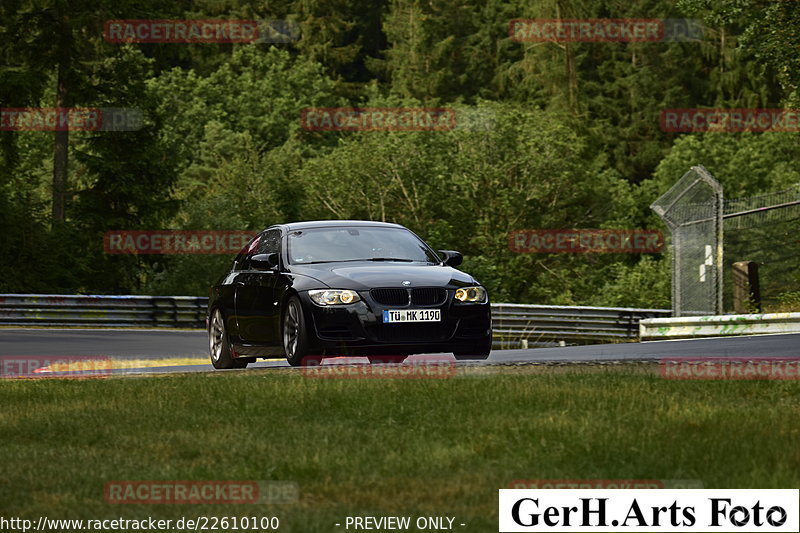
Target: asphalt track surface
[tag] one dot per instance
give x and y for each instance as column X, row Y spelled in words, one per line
column 150, row 346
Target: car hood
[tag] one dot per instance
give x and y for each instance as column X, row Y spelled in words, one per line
column 370, row 275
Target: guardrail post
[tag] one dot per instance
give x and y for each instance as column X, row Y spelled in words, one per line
column 156, row 311
column 165, row 311
column 201, row 312
column 174, row 312
column 633, row 329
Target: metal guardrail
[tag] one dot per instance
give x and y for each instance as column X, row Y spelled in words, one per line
column 519, row 325
column 536, row 325
column 719, row 326
column 55, row 310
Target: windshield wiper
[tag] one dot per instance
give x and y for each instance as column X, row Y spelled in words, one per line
column 400, row 259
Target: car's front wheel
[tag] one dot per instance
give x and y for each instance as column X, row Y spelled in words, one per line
column 219, row 346
column 294, row 332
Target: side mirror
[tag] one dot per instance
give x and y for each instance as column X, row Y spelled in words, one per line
column 264, row 261
column 451, row 257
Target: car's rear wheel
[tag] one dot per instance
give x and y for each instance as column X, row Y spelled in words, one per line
column 294, row 332
column 219, row 346
column 479, row 353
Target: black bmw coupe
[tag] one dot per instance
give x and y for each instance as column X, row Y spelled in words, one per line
column 345, row 287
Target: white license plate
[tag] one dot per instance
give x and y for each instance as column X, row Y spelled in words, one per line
column 412, row 315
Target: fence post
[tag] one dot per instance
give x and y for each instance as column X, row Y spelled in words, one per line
column 746, row 290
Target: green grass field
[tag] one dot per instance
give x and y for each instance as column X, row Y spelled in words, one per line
column 437, row 447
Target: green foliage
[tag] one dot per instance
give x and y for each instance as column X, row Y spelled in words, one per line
column 787, row 303
column 769, row 31
column 469, row 189
column 745, row 163
column 644, row 284
column 342, row 35
column 257, row 91
column 429, row 49
column 551, row 135
column 116, row 179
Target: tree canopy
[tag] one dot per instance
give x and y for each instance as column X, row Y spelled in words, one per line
column 547, row 134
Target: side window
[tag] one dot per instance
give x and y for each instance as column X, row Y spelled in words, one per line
column 242, row 261
column 270, row 242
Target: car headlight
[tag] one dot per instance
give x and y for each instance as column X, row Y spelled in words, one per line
column 333, row 296
column 471, row 294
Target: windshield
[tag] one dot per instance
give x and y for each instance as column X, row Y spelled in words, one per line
column 326, row 245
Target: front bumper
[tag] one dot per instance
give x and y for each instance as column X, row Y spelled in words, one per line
column 358, row 328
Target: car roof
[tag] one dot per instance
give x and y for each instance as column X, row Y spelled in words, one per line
column 294, row 226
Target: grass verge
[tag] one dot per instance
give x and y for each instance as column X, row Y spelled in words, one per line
column 433, row 447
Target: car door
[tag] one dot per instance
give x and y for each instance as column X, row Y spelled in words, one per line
column 257, row 312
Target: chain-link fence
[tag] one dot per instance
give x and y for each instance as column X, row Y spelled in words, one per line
column 762, row 229
column 692, row 210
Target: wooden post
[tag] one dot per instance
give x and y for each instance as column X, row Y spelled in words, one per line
column 746, row 291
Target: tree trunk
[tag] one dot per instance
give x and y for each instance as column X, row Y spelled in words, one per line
column 569, row 63
column 61, row 150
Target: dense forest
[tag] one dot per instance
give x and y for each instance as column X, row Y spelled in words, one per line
column 558, row 135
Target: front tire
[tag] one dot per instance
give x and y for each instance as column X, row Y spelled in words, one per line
column 294, row 332
column 219, row 346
